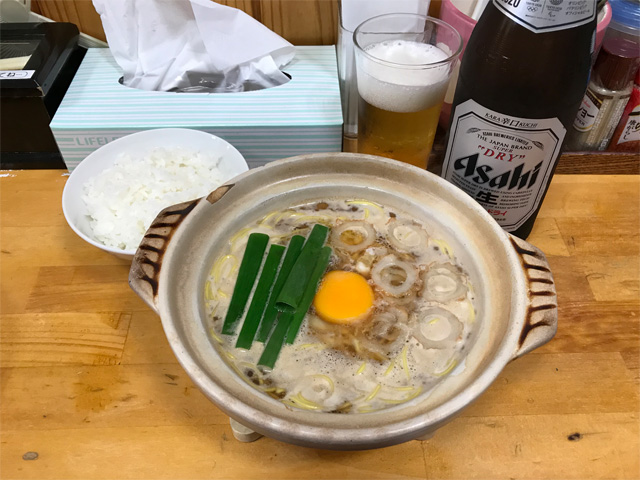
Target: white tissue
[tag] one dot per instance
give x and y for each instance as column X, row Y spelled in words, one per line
column 192, row 45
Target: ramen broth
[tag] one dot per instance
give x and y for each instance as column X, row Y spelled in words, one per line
column 415, row 333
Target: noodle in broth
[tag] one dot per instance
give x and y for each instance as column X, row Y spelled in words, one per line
column 422, row 317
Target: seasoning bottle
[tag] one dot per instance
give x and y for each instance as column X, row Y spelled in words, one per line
column 522, row 78
column 611, row 80
column 626, row 138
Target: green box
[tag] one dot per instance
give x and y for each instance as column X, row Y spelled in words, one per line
column 301, row 116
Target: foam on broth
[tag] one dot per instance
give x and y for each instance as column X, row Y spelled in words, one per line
column 416, row 335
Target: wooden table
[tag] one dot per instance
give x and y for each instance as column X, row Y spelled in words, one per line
column 91, row 389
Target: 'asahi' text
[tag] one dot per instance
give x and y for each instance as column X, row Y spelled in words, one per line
column 481, row 174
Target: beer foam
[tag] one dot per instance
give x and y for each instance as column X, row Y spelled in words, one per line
column 406, row 52
column 410, row 86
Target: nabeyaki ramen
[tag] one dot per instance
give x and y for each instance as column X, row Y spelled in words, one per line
column 392, row 316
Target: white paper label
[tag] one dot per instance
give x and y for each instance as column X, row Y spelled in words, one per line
column 548, row 15
column 631, row 131
column 588, row 112
column 16, row 74
column 503, row 162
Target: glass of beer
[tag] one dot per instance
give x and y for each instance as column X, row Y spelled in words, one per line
column 403, row 67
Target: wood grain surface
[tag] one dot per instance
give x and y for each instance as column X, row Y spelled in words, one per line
column 301, row 22
column 80, row 12
column 91, row 390
column 599, row 163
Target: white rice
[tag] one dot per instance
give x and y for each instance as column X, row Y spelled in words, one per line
column 123, row 200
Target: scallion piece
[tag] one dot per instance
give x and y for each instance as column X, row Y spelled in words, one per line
column 310, row 292
column 260, row 297
column 288, row 324
column 251, row 262
column 293, row 289
column 276, row 341
column 270, row 313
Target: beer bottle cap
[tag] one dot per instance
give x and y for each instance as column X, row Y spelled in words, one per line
column 615, row 71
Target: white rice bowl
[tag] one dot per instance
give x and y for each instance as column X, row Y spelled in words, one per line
column 123, row 200
column 114, row 194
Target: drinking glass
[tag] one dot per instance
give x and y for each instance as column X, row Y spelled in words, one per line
column 403, row 66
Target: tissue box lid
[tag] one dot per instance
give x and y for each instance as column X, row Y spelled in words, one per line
column 96, row 99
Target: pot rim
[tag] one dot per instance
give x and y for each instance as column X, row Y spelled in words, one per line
column 352, row 436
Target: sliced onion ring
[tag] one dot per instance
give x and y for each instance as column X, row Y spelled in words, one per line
column 362, row 228
column 437, row 314
column 407, row 237
column 443, row 282
column 389, row 328
column 316, row 388
column 382, row 275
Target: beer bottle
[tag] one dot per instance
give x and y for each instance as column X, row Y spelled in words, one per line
column 522, row 79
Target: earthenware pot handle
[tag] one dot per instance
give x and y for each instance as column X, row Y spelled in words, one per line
column 147, row 262
column 541, row 320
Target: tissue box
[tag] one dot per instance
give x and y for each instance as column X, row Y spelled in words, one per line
column 302, row 116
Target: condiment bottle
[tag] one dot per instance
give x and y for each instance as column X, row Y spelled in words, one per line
column 522, row 78
column 626, row 138
column 611, row 80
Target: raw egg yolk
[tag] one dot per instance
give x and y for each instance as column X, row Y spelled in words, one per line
column 343, row 297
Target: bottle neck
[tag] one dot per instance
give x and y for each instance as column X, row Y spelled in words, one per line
column 549, row 16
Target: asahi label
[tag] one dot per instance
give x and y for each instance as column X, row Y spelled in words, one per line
column 548, row 15
column 503, row 162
